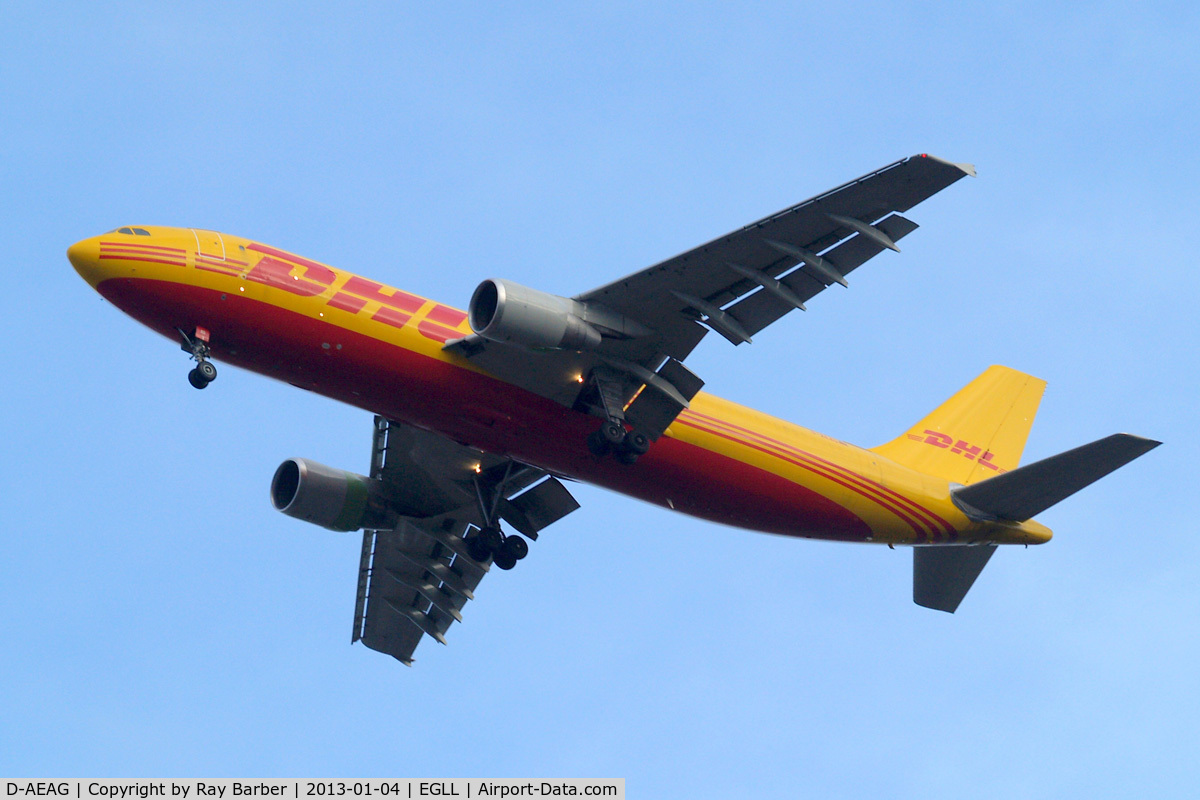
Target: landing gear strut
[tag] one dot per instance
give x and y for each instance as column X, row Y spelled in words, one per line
column 489, row 541
column 204, row 372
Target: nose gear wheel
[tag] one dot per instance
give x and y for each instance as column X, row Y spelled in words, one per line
column 205, row 372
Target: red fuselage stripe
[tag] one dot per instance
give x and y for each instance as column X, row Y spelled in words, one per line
column 895, row 499
column 165, row 260
column 786, row 454
column 135, row 246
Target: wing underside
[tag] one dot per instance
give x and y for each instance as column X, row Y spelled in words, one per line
column 415, row 578
column 413, row 581
column 736, row 285
column 760, row 272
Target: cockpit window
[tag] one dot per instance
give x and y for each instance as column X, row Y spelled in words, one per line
column 141, row 231
column 125, row 230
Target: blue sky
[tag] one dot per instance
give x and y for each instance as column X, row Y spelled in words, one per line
column 159, row 618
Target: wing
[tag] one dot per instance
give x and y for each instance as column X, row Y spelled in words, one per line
column 800, row 250
column 735, row 285
column 414, row 580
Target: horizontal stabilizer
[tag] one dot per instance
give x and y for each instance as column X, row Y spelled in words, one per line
column 942, row 576
column 1027, row 491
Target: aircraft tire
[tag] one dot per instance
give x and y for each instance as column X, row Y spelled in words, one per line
column 637, row 442
column 476, row 550
column 627, row 457
column 613, row 433
column 490, row 539
column 515, row 546
column 504, row 560
column 196, row 379
column 207, row 370
column 597, row 444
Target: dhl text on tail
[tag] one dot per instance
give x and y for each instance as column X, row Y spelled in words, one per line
column 480, row 413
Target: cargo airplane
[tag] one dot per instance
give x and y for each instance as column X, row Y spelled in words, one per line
column 480, row 415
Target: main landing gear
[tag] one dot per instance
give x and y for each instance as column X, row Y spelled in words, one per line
column 612, row 437
column 604, row 398
column 489, row 541
column 205, row 372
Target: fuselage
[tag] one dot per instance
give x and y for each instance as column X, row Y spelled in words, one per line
column 381, row 349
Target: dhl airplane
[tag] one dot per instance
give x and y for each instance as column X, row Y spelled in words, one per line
column 479, row 415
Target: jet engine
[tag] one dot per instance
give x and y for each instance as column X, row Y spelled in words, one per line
column 504, row 311
column 331, row 498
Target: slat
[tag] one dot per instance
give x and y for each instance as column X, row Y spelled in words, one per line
column 364, row 573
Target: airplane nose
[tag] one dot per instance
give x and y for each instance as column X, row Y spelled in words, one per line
column 85, row 257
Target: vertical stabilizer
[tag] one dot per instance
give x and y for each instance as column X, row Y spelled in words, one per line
column 978, row 433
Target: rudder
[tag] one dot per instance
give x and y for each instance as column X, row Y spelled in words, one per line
column 976, row 434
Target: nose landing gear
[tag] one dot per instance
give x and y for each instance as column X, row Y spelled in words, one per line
column 202, row 375
column 205, row 372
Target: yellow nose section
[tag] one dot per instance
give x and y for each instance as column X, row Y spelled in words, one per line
column 85, row 258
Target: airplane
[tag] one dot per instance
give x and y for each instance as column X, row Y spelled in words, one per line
column 481, row 415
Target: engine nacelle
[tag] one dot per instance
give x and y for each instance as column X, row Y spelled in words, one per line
column 332, row 498
column 504, row 311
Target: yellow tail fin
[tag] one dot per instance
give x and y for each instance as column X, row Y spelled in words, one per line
column 976, row 434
